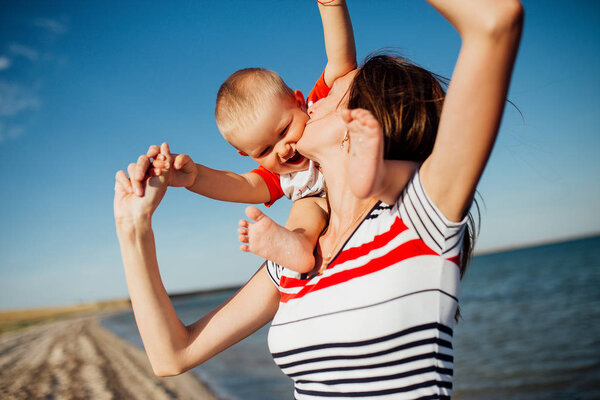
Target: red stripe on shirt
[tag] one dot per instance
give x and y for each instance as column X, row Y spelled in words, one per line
column 353, row 253
column 455, row 259
column 378, row 241
column 410, row 249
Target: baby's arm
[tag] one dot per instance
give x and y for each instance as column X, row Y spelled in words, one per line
column 291, row 246
column 339, row 40
column 229, row 186
column 216, row 184
column 368, row 173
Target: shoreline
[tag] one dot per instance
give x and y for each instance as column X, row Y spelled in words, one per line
column 15, row 319
column 76, row 357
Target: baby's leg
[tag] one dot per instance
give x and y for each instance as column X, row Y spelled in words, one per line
column 292, row 246
column 366, row 165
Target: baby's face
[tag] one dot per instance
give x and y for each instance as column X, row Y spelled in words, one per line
column 271, row 139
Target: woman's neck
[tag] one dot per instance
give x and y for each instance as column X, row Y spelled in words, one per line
column 345, row 207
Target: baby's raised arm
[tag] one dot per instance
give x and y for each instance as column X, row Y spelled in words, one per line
column 339, row 39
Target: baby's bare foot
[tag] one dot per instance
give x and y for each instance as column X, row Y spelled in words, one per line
column 365, row 168
column 272, row 241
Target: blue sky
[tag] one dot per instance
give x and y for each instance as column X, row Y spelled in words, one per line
column 85, row 87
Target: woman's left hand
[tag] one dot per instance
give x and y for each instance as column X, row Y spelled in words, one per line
column 128, row 207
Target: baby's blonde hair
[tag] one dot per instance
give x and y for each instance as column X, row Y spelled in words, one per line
column 242, row 95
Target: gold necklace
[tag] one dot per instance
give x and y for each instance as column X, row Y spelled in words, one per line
column 342, row 238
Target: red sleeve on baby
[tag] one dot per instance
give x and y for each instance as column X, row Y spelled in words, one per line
column 319, row 91
column 273, row 183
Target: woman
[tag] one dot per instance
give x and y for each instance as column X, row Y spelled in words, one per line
column 375, row 317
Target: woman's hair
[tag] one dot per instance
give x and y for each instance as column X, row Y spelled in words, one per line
column 407, row 101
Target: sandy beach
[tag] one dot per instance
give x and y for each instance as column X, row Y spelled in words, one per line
column 76, row 358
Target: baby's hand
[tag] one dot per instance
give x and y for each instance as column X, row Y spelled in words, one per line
column 184, row 169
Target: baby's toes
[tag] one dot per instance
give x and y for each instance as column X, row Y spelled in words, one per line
column 253, row 213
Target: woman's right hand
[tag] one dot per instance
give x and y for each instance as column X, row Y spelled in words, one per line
column 129, row 207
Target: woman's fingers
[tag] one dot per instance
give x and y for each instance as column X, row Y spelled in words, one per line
column 143, row 163
column 131, row 168
column 153, row 162
column 122, row 182
column 132, row 171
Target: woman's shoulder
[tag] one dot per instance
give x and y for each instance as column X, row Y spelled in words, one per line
column 421, row 214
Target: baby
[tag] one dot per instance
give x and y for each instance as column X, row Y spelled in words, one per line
column 259, row 115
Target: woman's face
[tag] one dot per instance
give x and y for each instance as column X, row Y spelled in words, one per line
column 325, row 126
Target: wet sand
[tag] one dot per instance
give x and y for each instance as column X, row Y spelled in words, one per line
column 77, row 358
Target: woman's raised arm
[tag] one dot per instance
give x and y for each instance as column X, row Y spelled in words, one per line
column 490, row 31
column 171, row 346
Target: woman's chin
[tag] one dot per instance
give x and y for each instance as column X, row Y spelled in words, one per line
column 305, row 152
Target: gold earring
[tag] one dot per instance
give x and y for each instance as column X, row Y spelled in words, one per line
column 345, row 139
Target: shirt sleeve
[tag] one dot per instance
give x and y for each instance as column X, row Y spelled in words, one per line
column 319, row 91
column 274, row 271
column 273, row 183
column 421, row 214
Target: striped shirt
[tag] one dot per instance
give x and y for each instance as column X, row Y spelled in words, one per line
column 378, row 322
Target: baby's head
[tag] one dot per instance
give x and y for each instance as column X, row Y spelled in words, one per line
column 258, row 114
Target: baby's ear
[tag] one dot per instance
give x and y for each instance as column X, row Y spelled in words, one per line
column 299, row 98
column 241, row 153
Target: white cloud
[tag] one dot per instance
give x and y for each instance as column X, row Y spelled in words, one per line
column 15, row 99
column 4, row 63
column 17, row 109
column 23, row 51
column 51, row 25
column 10, row 132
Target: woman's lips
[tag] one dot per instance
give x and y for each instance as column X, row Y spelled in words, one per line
column 297, row 158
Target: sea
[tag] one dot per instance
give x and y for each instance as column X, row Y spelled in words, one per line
column 529, row 329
